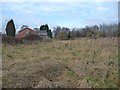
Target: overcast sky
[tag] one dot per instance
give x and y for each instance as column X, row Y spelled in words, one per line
column 68, row 14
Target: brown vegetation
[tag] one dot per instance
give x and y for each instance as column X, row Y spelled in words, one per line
column 79, row 63
column 11, row 40
column 28, row 39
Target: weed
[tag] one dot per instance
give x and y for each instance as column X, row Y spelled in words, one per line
column 71, row 73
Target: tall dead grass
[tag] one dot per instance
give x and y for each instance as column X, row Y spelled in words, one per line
column 78, row 63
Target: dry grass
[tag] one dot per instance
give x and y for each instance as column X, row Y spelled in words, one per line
column 77, row 63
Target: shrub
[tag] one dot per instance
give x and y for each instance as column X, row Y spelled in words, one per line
column 62, row 35
column 11, row 40
column 32, row 37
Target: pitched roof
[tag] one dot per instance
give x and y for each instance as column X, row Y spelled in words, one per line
column 25, row 29
column 22, row 33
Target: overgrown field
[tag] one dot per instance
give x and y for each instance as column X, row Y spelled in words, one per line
column 80, row 63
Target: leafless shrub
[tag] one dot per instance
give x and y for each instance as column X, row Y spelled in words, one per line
column 33, row 37
column 11, row 40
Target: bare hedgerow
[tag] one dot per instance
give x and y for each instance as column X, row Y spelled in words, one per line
column 11, row 40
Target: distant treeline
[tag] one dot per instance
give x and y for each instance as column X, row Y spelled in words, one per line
column 64, row 33
column 103, row 30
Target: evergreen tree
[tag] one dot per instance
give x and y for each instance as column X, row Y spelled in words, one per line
column 46, row 27
column 42, row 27
column 10, row 28
column 49, row 33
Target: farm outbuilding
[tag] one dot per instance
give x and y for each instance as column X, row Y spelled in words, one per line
column 25, row 32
